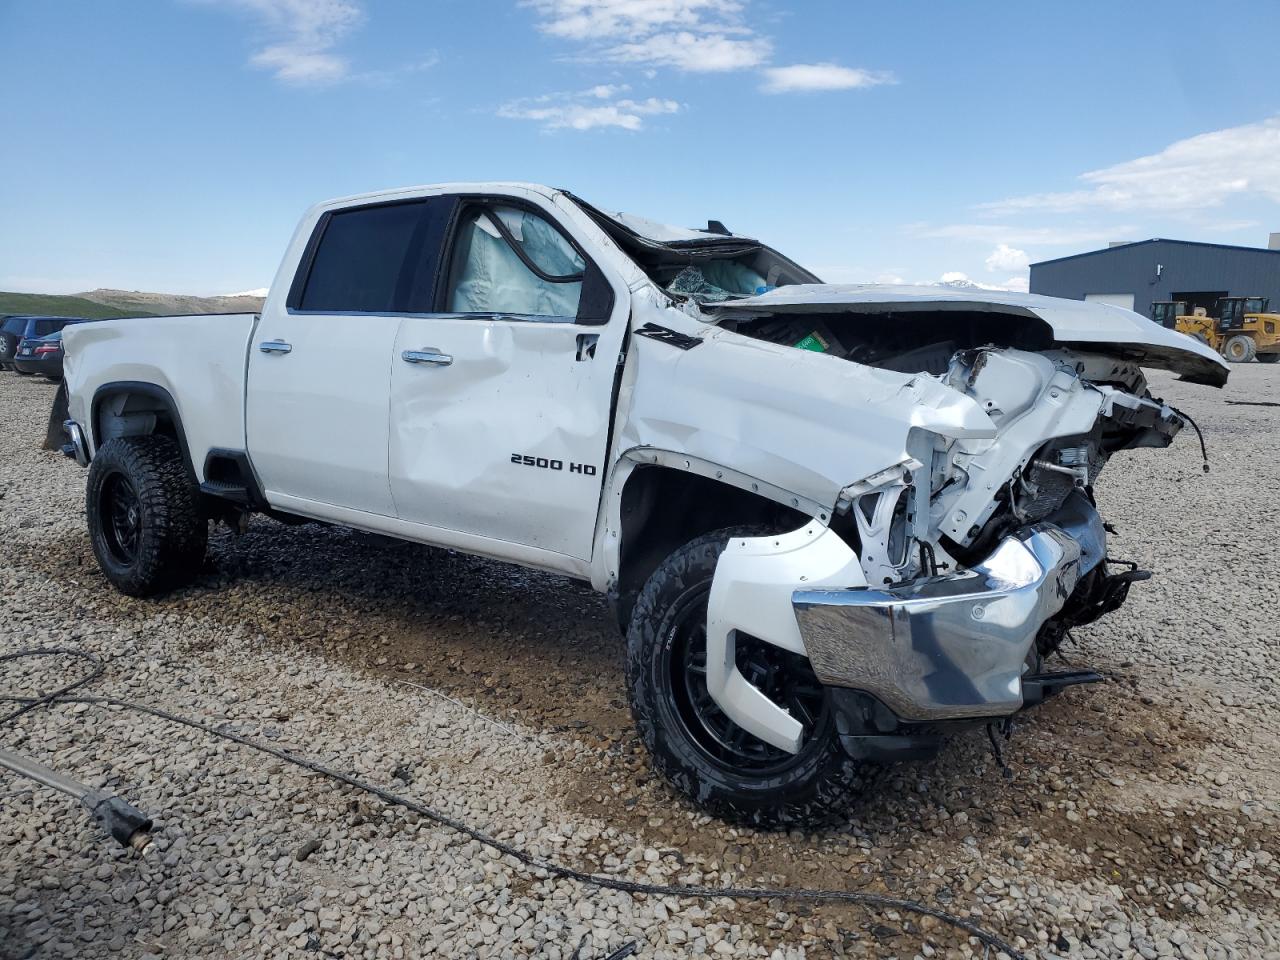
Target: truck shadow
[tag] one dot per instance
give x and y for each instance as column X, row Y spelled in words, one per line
column 533, row 646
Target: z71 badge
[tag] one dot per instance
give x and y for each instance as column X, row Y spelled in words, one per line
column 546, row 463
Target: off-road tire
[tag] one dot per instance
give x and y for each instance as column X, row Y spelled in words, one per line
column 811, row 790
column 1268, row 358
column 172, row 531
column 1240, row 349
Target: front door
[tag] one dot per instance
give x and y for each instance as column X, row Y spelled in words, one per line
column 501, row 399
column 320, row 364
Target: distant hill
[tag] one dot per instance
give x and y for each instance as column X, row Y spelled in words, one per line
column 107, row 304
column 54, row 305
column 164, row 304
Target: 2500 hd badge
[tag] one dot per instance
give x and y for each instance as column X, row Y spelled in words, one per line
column 545, row 463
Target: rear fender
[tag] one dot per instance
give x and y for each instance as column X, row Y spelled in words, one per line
column 192, row 369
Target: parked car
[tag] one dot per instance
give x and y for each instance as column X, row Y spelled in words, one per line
column 835, row 522
column 18, row 328
column 11, row 326
column 42, row 355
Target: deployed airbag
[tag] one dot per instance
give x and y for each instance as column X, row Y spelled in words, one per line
column 491, row 277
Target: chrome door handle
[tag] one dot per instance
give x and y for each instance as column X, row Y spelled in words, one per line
column 429, row 355
column 275, row 346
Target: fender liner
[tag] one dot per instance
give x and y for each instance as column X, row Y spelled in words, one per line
column 139, row 388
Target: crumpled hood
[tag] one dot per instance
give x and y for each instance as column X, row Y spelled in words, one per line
column 1097, row 327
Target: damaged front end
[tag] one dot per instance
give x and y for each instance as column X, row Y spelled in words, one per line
column 931, row 598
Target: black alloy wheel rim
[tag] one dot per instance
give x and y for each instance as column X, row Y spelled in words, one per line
column 121, row 513
column 785, row 678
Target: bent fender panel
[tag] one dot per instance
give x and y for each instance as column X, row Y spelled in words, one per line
column 803, row 422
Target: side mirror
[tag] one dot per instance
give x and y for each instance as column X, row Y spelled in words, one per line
column 596, row 303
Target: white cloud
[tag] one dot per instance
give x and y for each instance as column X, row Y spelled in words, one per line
column 301, row 67
column 694, row 53
column 696, row 36
column 587, row 109
column 820, row 76
column 1191, row 174
column 304, row 34
column 1005, row 257
column 592, row 19
column 954, row 276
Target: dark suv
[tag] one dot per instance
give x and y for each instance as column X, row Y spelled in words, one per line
column 15, row 329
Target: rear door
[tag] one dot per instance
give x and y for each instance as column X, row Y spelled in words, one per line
column 501, row 398
column 321, row 360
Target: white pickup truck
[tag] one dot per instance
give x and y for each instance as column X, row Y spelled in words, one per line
column 835, row 521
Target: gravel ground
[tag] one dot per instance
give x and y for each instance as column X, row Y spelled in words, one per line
column 1140, row 819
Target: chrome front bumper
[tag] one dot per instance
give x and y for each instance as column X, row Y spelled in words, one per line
column 947, row 647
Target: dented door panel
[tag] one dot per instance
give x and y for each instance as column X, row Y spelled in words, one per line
column 506, row 440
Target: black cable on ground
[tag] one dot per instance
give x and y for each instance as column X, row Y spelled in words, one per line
column 526, row 859
column 96, row 670
column 1204, row 452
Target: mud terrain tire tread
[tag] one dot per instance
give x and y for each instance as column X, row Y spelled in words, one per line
column 811, row 793
column 175, row 532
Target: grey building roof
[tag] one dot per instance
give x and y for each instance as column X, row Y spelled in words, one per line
column 1140, row 243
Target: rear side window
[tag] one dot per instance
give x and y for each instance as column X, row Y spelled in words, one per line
column 358, row 261
column 14, row 325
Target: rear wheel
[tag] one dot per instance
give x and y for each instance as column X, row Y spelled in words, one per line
column 704, row 754
column 143, row 506
column 1240, row 349
column 1269, row 358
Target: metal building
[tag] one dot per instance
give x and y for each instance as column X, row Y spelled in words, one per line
column 1132, row 275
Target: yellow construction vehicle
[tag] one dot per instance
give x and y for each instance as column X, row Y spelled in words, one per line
column 1243, row 330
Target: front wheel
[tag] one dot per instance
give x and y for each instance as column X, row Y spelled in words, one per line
column 1269, row 358
column 704, row 754
column 145, row 521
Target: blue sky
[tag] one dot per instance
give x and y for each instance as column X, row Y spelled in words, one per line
column 171, row 145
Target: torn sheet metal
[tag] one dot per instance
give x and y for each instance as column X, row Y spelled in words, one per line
column 802, row 421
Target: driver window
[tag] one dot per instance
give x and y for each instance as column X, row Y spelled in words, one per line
column 509, row 260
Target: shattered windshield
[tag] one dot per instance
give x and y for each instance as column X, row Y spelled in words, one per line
column 702, row 266
column 717, row 280
column 713, row 273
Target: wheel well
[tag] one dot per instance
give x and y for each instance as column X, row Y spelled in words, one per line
column 663, row 509
column 136, row 410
